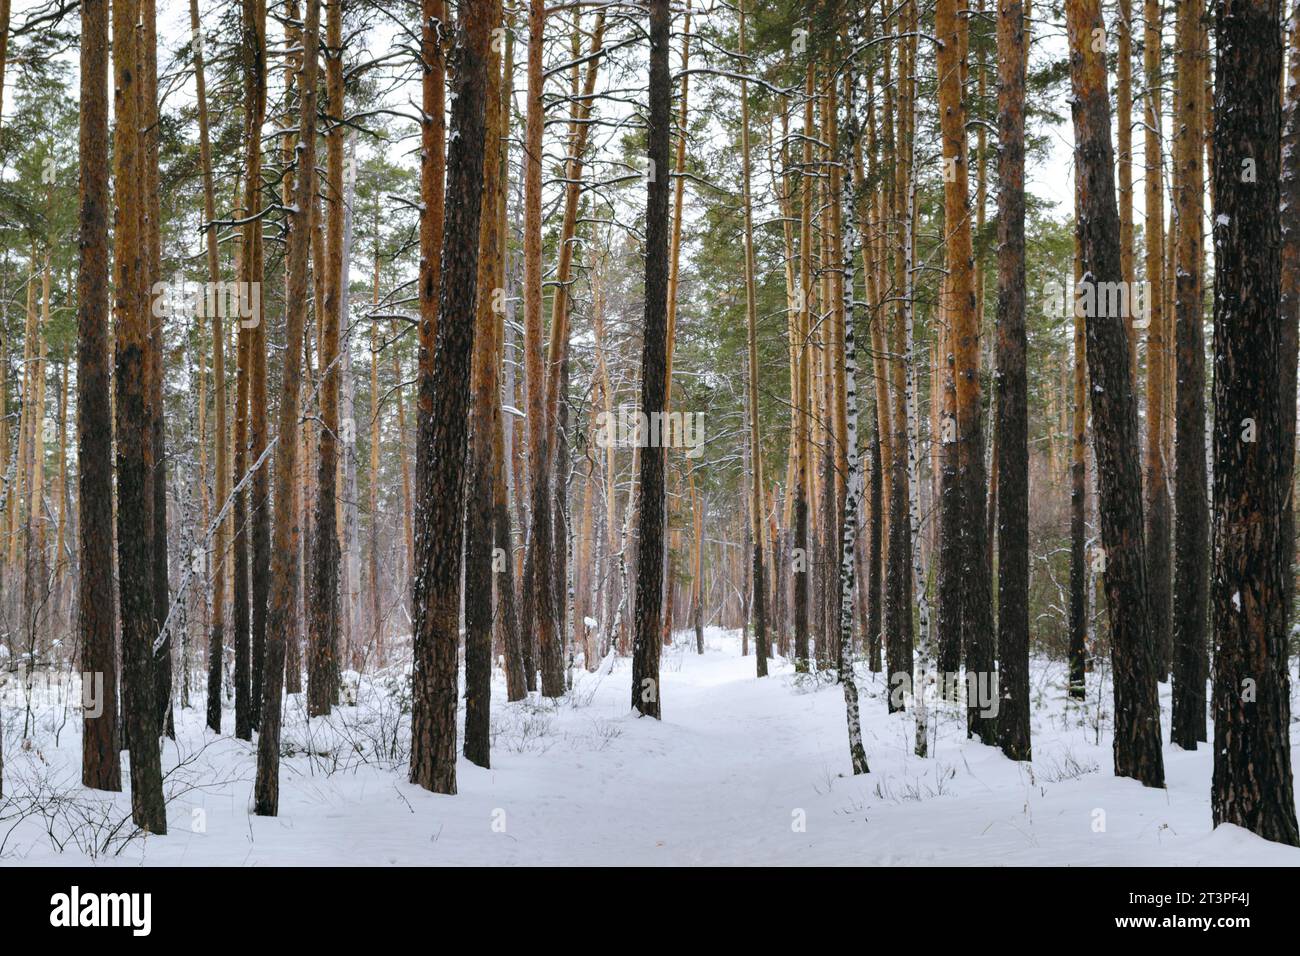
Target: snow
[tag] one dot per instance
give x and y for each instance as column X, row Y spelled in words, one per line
column 728, row 777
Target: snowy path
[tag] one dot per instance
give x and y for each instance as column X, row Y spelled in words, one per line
column 740, row 771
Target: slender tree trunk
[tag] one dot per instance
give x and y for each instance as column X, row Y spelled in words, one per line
column 875, row 540
column 157, row 489
column 282, row 621
column 100, row 768
column 1012, row 392
column 301, row 528
column 221, row 465
column 1157, row 491
column 648, row 616
column 432, row 208
column 539, row 613
column 881, row 451
column 512, row 642
column 240, row 609
column 802, row 400
column 130, row 307
column 974, row 600
column 259, row 513
column 919, row 583
column 376, row 611
column 758, row 581
column 853, row 488
column 481, row 562
column 442, row 487
column 898, row 606
column 323, row 621
column 1124, row 164
column 1114, row 412
column 1079, row 576
column 408, row 529
column 1191, row 510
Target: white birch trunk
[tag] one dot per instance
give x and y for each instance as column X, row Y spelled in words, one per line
column 351, row 585
column 926, row 652
column 853, row 492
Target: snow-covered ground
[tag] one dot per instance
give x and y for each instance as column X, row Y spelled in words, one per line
column 740, row 771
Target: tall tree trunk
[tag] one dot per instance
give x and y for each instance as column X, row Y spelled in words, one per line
column 259, row 571
column 554, row 460
column 538, row 595
column 875, row 540
column 1012, row 392
column 96, row 625
column 853, row 487
column 974, row 602
column 1252, row 785
column 481, row 560
column 648, row 615
column 134, row 451
column 1157, row 489
column 349, row 522
column 1079, row 575
column 432, row 209
column 802, row 400
column 240, row 610
column 1124, row 149
column 879, row 588
column 323, row 622
column 442, row 486
column 301, row 528
column 221, row 465
column 758, row 584
column 408, row 528
column 512, row 642
column 898, row 606
column 1114, row 414
column 282, row 621
column 925, row 661
column 376, row 612
column 1191, row 510
column 157, row 489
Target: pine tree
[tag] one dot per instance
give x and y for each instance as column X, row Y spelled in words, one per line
column 648, row 615
column 758, row 580
column 1252, row 785
column 254, row 13
column 973, row 606
column 282, row 617
column 323, row 621
column 480, row 561
column 539, row 612
column 1012, row 392
column 441, row 493
column 100, row 768
column 221, row 463
column 1114, row 414
column 134, row 544
column 1156, row 506
column 1191, row 510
